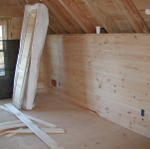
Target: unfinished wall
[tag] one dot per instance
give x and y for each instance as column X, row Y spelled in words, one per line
column 14, row 25
column 43, row 82
column 109, row 74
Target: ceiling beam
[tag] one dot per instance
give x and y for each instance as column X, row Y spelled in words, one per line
column 133, row 15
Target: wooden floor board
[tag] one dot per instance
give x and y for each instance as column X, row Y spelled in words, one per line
column 85, row 130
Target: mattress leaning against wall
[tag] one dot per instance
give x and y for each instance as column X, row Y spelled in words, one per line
column 34, row 30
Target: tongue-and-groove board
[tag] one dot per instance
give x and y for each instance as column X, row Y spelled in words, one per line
column 29, row 54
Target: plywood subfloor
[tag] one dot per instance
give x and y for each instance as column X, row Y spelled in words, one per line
column 85, row 130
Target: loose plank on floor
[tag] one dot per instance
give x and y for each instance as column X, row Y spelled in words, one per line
column 47, row 124
column 40, row 133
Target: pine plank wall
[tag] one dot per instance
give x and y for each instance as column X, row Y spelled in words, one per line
column 107, row 73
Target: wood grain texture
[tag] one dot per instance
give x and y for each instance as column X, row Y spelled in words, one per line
column 85, row 129
column 65, row 19
column 28, row 131
column 106, row 73
column 133, row 15
column 81, row 16
column 34, row 128
column 14, row 28
column 11, row 126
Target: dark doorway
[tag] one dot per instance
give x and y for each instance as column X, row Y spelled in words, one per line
column 8, row 58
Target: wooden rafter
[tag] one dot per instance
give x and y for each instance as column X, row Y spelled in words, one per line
column 81, row 16
column 55, row 25
column 62, row 16
column 101, row 18
column 133, row 15
column 71, row 7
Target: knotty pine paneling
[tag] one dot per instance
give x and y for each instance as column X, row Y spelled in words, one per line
column 109, row 74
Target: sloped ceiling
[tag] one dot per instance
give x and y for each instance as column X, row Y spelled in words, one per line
column 81, row 16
